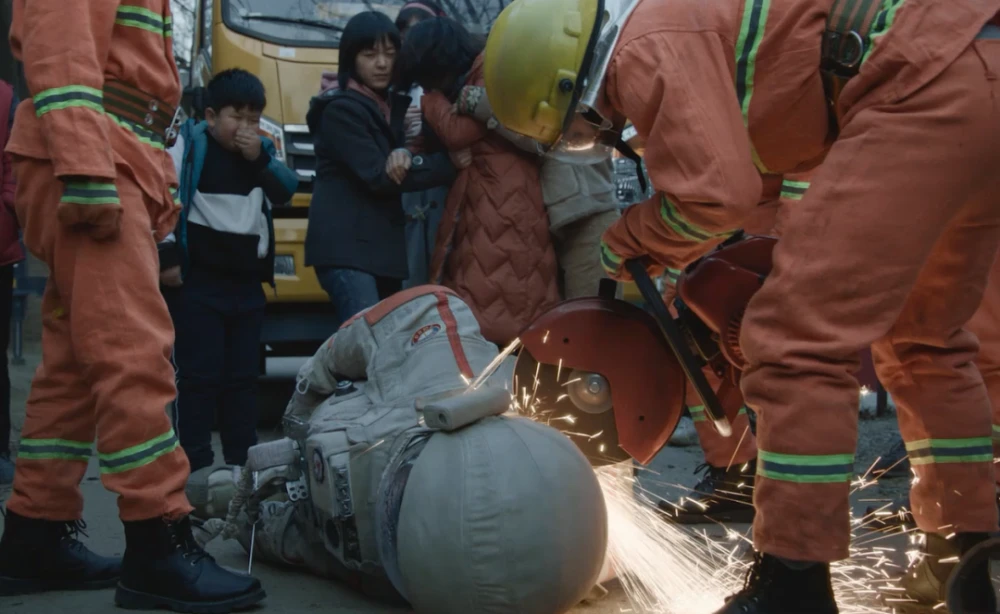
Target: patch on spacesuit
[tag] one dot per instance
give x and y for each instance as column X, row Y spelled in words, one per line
column 425, row 333
column 319, row 466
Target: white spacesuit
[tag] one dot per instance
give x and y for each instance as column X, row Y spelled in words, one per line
column 396, row 472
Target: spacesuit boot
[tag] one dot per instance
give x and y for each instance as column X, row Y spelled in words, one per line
column 44, row 555
column 164, row 568
column 722, row 495
column 926, row 580
column 774, row 586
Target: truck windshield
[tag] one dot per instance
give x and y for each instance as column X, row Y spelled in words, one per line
column 319, row 23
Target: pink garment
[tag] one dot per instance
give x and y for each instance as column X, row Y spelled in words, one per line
column 364, row 90
column 328, row 81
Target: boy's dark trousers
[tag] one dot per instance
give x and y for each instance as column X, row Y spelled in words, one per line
column 218, row 324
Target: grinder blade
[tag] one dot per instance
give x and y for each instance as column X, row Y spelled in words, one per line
column 577, row 403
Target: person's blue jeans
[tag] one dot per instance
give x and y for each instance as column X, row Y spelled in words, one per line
column 352, row 291
column 218, row 324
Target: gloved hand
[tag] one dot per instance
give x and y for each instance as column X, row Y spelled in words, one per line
column 618, row 246
column 91, row 206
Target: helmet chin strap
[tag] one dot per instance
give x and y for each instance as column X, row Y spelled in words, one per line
column 625, row 150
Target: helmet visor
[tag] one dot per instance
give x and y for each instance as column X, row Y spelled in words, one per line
column 588, row 139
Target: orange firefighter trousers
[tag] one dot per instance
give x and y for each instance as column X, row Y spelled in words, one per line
column 106, row 344
column 891, row 246
column 986, row 325
column 741, row 446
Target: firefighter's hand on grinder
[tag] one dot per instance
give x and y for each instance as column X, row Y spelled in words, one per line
column 615, row 253
column 91, row 205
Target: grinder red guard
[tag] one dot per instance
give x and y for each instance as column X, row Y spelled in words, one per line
column 613, row 376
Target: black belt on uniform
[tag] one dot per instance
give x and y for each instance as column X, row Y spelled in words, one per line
column 142, row 110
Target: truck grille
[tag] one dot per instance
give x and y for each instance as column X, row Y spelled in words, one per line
column 300, row 155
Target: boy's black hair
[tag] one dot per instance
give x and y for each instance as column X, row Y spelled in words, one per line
column 236, row 88
column 363, row 31
column 409, row 12
column 436, row 53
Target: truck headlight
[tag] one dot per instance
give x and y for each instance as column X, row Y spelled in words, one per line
column 274, row 131
column 284, row 266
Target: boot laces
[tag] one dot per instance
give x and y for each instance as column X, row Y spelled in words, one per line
column 70, row 533
column 755, row 580
column 182, row 539
column 711, row 477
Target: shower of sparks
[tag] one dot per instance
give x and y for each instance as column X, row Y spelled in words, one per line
column 661, row 566
column 673, row 569
column 494, row 365
column 668, row 568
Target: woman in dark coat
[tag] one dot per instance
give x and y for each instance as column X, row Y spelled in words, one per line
column 356, row 238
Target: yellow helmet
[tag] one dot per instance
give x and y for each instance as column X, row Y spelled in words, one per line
column 545, row 63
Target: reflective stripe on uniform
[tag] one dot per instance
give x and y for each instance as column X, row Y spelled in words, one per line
column 146, row 137
column 54, row 449
column 90, row 194
column 140, row 455
column 805, row 468
column 610, row 260
column 793, row 190
column 676, row 221
column 883, row 21
column 672, row 275
column 747, row 45
column 142, row 18
column 971, row 450
column 68, row 97
column 698, row 413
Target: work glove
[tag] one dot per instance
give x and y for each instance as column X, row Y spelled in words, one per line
column 618, row 246
column 91, row 205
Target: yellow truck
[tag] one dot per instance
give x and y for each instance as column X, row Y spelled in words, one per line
column 288, row 44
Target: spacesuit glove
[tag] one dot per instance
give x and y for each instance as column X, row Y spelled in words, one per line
column 91, row 205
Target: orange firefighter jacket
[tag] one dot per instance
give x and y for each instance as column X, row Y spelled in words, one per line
column 728, row 97
column 70, row 50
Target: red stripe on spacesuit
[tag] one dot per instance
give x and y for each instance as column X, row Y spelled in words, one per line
column 387, row 306
column 451, row 327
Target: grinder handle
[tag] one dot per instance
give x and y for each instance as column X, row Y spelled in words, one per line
column 675, row 339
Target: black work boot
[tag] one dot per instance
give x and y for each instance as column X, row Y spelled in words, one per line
column 164, row 568
column 895, row 463
column 774, row 586
column 45, row 555
column 722, row 495
column 925, row 582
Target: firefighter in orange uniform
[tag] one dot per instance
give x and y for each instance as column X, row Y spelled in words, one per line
column 891, row 246
column 94, row 195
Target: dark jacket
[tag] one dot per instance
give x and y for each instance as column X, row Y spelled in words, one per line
column 277, row 181
column 10, row 244
column 356, row 218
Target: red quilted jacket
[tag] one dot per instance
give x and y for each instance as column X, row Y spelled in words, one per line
column 10, row 247
column 493, row 246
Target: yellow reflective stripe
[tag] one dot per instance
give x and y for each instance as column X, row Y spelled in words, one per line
column 747, row 46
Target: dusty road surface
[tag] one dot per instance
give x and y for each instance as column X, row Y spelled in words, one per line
column 292, row 592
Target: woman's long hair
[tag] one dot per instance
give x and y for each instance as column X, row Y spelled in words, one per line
column 436, row 53
column 363, row 31
column 421, row 10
